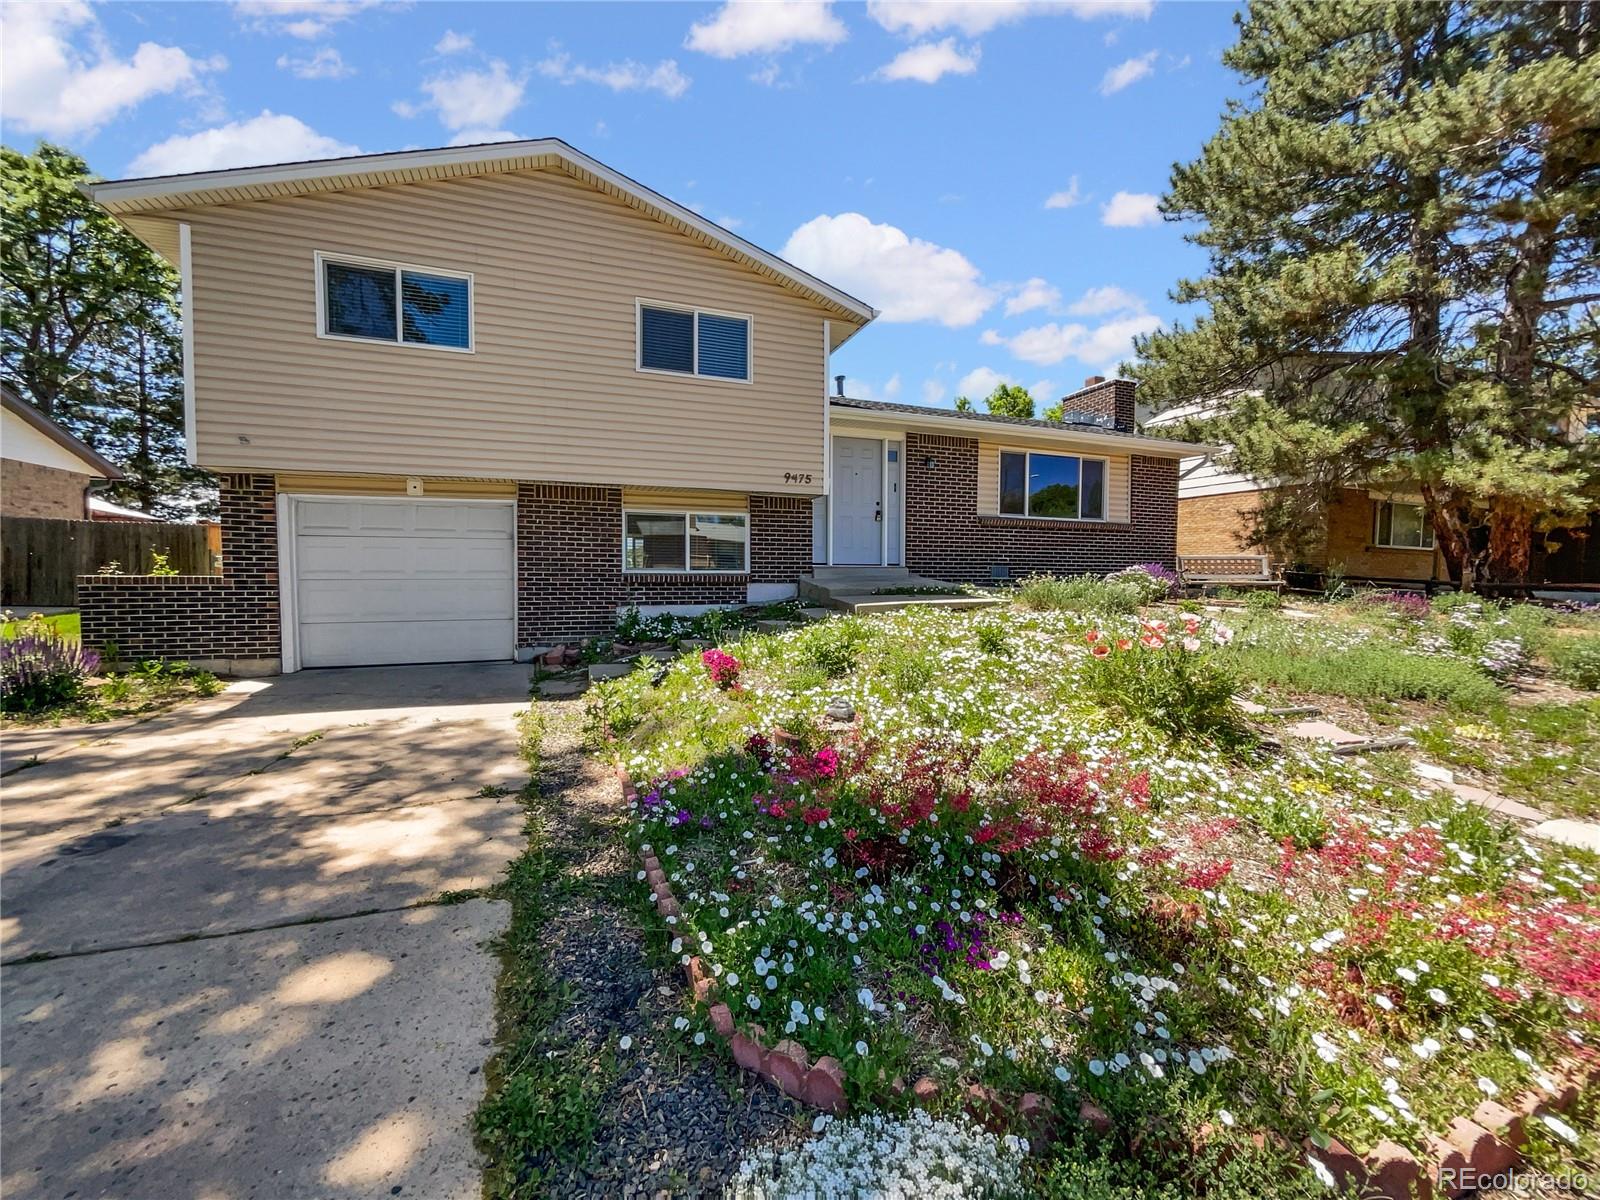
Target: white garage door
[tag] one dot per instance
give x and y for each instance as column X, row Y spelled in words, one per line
column 403, row 581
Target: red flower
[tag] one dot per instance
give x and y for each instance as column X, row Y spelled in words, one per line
column 1101, row 651
column 1208, row 875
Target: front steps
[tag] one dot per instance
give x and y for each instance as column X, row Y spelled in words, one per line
column 853, row 590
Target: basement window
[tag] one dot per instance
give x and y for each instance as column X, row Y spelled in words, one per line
column 372, row 301
column 1402, row 526
column 685, row 542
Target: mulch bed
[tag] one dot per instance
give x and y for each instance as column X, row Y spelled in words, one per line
column 672, row 1123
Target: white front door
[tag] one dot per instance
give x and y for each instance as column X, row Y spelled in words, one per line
column 403, row 581
column 857, row 502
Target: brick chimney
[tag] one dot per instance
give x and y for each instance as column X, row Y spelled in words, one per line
column 1108, row 398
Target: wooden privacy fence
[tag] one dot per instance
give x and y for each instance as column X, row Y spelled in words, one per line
column 41, row 559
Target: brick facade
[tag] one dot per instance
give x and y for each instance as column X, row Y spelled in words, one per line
column 1219, row 524
column 222, row 620
column 570, row 580
column 31, row 490
column 947, row 538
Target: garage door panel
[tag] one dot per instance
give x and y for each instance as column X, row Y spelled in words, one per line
column 397, row 581
column 395, row 642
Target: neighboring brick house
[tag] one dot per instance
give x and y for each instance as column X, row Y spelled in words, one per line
column 468, row 401
column 1381, row 535
column 44, row 470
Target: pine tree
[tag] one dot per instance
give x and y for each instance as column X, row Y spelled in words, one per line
column 1404, row 286
column 91, row 334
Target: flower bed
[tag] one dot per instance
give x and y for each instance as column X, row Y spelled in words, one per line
column 986, row 877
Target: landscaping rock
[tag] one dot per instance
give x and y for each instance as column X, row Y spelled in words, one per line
column 1339, row 1159
column 599, row 671
column 1447, row 1162
column 722, row 1020
column 1485, row 1153
column 746, row 1052
column 1506, row 1125
column 784, row 1067
column 562, row 689
column 556, row 656
column 1323, row 731
column 924, row 1091
column 658, row 656
column 824, row 1086
column 687, row 644
column 1393, row 1173
column 1095, row 1117
column 701, row 982
column 1583, row 834
column 840, row 710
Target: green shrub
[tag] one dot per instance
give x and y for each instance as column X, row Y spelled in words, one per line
column 1263, row 600
column 1577, row 661
column 1183, row 693
column 992, row 639
column 834, row 647
column 1079, row 593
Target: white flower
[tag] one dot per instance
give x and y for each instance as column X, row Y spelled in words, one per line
column 861, row 1049
column 624, row 1042
column 1096, row 1067
column 1063, row 1074
column 1560, row 1128
column 1322, row 1172
column 1487, row 1086
column 1437, row 996
column 700, row 1038
column 1225, row 1116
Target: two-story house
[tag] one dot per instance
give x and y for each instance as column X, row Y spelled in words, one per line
column 466, row 401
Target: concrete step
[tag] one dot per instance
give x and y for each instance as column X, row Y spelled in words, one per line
column 882, row 604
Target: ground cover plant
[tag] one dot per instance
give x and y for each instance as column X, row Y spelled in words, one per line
column 946, row 845
column 47, row 676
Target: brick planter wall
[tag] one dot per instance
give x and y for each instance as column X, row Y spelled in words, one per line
column 228, row 621
column 946, row 538
column 570, row 580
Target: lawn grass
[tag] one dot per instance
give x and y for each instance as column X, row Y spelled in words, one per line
column 68, row 625
column 1545, row 754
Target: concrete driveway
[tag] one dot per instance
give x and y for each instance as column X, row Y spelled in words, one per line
column 223, row 970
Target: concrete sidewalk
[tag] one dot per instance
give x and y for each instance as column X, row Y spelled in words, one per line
column 224, row 973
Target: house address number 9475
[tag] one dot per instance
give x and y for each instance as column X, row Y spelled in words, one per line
column 797, row 476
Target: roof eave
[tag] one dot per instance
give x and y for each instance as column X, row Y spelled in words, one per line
column 127, row 196
column 1155, row 447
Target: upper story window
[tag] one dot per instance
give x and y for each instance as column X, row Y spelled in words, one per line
column 692, row 341
column 1064, row 486
column 1403, row 526
column 374, row 301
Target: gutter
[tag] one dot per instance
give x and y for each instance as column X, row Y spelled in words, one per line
column 1133, row 443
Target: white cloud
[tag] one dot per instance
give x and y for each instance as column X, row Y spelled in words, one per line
column 918, row 18
column 453, row 43
column 928, row 62
column 1046, row 345
column 268, row 138
column 978, row 383
column 476, row 137
column 743, row 27
column 1065, row 199
column 1098, row 301
column 906, row 277
column 933, row 391
column 861, row 389
column 304, row 19
column 1035, row 293
column 62, row 78
column 1129, row 209
column 1128, row 72
column 476, row 99
column 626, row 76
column 326, row 63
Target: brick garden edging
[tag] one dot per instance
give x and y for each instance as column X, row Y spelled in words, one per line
column 1488, row 1143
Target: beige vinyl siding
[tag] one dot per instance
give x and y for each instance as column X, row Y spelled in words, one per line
column 989, row 475
column 672, row 499
column 395, row 485
column 550, row 391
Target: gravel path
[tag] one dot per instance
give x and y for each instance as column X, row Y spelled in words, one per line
column 675, row 1121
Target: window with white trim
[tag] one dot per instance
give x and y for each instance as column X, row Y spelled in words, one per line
column 711, row 543
column 374, row 301
column 1067, row 487
column 1402, row 526
column 693, row 341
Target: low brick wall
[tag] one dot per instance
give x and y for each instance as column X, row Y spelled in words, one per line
column 229, row 622
column 946, row 538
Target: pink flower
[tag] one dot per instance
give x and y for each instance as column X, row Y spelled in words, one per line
column 723, row 668
column 1191, row 644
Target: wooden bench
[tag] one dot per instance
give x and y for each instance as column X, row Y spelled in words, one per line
column 1229, row 570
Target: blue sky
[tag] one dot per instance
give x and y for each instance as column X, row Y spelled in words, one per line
column 984, row 173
